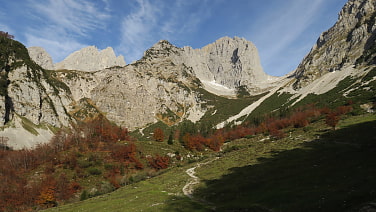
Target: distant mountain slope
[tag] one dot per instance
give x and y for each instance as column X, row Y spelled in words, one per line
column 351, row 41
column 165, row 84
column 339, row 68
column 91, row 59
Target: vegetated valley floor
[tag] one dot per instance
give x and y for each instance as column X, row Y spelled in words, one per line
column 312, row 169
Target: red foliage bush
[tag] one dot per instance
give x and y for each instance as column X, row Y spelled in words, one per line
column 126, row 154
column 332, row 120
column 159, row 162
column 341, row 110
column 158, row 135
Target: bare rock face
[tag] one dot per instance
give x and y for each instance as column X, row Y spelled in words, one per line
column 351, row 41
column 41, row 57
column 228, row 62
column 31, row 98
column 37, row 99
column 149, row 90
column 91, row 59
column 164, row 85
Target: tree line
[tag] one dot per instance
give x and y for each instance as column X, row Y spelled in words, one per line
column 274, row 126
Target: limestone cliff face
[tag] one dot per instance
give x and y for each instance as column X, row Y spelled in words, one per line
column 41, row 57
column 150, row 90
column 164, row 84
column 91, row 59
column 30, row 91
column 31, row 98
column 351, row 41
column 230, row 62
column 35, row 97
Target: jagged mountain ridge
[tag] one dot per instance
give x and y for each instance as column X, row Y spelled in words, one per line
column 222, row 66
column 162, row 86
column 91, row 59
column 41, row 57
column 139, row 94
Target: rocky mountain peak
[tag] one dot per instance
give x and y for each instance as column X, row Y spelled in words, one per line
column 91, row 59
column 161, row 49
column 41, row 57
column 227, row 64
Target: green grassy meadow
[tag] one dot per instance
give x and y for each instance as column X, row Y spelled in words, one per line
column 312, row 169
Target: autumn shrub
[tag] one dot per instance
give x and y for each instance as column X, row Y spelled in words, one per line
column 127, row 154
column 47, row 196
column 276, row 133
column 159, row 162
column 84, row 163
column 158, row 135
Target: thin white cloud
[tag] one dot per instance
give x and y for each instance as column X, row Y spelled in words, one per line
column 184, row 19
column 136, row 29
column 5, row 28
column 107, row 6
column 58, row 49
column 78, row 17
column 150, row 21
column 63, row 24
column 280, row 30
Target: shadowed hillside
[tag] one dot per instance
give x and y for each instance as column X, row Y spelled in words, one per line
column 334, row 173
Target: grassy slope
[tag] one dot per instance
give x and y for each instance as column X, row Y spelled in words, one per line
column 334, row 172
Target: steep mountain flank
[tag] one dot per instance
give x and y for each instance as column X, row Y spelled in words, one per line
column 339, row 68
column 31, row 97
column 351, row 41
column 91, row 59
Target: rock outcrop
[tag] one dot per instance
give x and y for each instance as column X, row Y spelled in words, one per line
column 149, row 90
column 231, row 62
column 91, row 59
column 351, row 41
column 222, row 66
column 41, row 57
column 31, row 98
column 228, row 62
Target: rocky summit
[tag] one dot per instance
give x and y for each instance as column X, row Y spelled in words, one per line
column 228, row 63
column 91, row 59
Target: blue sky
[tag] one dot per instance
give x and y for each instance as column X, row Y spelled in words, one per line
column 283, row 30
